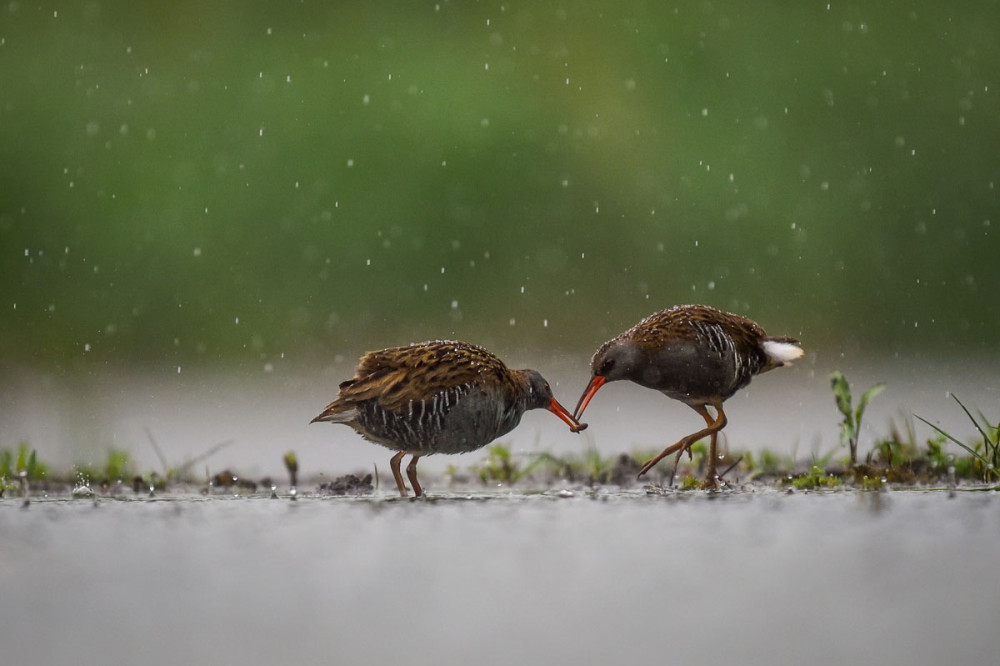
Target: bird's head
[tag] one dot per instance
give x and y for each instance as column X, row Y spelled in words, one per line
column 616, row 359
column 538, row 395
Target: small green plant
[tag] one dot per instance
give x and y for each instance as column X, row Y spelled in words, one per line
column 690, row 482
column 597, row 467
column 19, row 468
column 117, row 467
column 871, row 483
column 766, row 462
column 500, row 466
column 816, row 478
column 985, row 454
column 292, row 465
column 23, row 459
column 850, row 426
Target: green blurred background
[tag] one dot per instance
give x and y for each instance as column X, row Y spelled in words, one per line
column 237, row 184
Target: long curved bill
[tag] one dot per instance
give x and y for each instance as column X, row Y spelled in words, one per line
column 564, row 414
column 596, row 382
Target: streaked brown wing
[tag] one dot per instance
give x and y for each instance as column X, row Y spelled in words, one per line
column 416, row 372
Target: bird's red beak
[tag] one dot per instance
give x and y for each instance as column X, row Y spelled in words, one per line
column 564, row 414
column 596, row 382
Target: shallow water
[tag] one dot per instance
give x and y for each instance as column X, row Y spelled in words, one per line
column 791, row 411
column 492, row 578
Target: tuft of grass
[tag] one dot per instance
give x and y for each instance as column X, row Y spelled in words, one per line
column 500, row 466
column 985, row 455
column 850, row 426
column 767, row 463
column 116, row 467
column 23, row 459
column 690, row 482
column 816, row 477
column 19, row 467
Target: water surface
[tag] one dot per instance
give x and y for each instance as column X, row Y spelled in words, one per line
column 494, row 578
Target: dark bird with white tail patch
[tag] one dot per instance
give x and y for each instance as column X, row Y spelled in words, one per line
column 695, row 354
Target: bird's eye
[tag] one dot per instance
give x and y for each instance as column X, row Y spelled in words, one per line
column 607, row 366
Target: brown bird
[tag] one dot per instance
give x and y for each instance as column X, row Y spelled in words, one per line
column 695, row 354
column 437, row 397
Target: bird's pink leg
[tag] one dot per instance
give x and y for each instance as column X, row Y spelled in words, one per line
column 411, row 474
column 394, row 464
column 714, row 425
column 713, row 455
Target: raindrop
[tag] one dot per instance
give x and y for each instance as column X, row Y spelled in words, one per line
column 454, row 305
column 196, row 252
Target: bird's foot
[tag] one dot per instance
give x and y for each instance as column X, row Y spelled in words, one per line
column 714, row 482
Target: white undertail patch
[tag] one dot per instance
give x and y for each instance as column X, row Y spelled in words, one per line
column 781, row 353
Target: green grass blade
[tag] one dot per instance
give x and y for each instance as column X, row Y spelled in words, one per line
column 986, row 440
column 841, row 393
column 953, row 439
column 865, row 398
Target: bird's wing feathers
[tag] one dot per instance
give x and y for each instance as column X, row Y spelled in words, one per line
column 399, row 375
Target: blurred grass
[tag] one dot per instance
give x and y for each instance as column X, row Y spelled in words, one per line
column 234, row 183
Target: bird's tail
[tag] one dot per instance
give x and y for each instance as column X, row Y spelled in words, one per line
column 780, row 352
column 336, row 412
